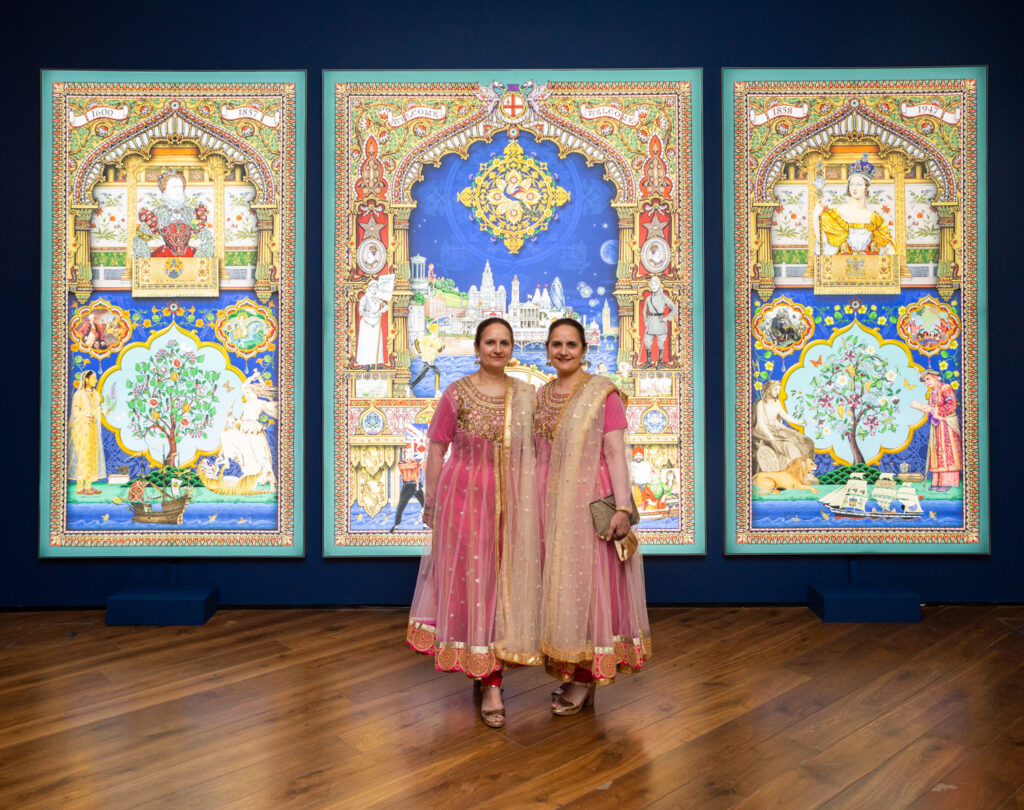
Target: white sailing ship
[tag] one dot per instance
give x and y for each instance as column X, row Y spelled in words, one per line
column 898, row 501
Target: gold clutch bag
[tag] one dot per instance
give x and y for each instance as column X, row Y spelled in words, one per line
column 602, row 511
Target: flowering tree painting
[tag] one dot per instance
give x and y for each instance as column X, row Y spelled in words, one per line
column 853, row 394
column 172, row 396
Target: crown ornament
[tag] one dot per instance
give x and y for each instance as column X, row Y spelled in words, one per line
column 863, row 167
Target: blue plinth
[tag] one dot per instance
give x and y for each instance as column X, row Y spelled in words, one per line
column 863, row 603
column 163, row 604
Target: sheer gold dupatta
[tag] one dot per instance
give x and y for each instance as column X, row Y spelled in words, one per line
column 517, row 613
column 569, row 529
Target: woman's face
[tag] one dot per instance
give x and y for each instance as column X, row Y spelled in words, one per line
column 857, row 187
column 565, row 349
column 495, row 347
column 89, row 380
column 175, row 188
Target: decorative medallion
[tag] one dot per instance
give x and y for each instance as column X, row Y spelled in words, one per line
column 783, row 326
column 513, row 106
column 513, row 197
column 246, row 328
column 654, row 255
column 929, row 326
column 372, row 256
column 655, row 420
column 372, row 422
column 99, row 329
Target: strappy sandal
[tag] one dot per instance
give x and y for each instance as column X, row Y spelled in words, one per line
column 493, row 718
column 561, row 707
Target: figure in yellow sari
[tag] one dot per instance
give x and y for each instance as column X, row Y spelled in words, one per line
column 85, row 461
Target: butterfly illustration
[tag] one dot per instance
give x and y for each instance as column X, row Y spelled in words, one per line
column 818, row 364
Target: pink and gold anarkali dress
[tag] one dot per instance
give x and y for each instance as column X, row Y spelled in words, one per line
column 594, row 616
column 477, row 599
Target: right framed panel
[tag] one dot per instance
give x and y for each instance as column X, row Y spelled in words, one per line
column 855, row 299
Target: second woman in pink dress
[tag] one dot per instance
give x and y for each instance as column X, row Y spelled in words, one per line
column 594, row 613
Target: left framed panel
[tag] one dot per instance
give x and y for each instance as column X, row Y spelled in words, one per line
column 172, row 289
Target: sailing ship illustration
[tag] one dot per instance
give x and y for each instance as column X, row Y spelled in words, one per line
column 169, row 509
column 899, row 501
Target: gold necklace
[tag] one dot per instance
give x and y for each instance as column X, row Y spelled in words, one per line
column 575, row 385
column 565, row 403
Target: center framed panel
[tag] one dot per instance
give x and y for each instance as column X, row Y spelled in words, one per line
column 528, row 195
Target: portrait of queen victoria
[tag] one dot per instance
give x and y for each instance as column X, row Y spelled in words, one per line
column 852, row 228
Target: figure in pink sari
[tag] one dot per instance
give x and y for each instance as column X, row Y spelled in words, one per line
column 594, row 613
column 476, row 607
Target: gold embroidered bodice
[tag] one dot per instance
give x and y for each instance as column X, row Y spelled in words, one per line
column 549, row 411
column 478, row 413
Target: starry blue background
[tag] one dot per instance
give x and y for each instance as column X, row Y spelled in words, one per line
column 443, row 230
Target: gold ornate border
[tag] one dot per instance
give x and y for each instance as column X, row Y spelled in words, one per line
column 345, row 171
column 746, row 534
column 284, row 535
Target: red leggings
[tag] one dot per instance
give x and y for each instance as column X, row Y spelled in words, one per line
column 582, row 675
column 494, row 679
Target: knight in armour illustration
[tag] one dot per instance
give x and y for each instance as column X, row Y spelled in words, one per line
column 175, row 219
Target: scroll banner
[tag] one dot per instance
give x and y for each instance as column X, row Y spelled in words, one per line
column 778, row 111
column 917, row 110
column 629, row 119
column 434, row 114
column 251, row 114
column 112, row 113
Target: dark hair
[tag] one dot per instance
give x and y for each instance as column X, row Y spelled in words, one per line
column 568, row 322
column 480, row 327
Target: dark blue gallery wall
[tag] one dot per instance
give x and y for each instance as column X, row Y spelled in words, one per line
column 267, row 35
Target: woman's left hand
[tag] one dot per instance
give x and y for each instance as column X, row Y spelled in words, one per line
column 618, row 526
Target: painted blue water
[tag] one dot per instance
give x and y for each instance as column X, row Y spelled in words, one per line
column 212, row 516
column 808, row 515
column 452, row 367
column 360, row 520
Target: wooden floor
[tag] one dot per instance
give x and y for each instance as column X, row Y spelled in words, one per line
column 740, row 707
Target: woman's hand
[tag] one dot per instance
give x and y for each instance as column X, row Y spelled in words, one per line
column 618, row 526
column 427, row 516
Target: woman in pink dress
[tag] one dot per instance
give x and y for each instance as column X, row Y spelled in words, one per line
column 476, row 608
column 594, row 613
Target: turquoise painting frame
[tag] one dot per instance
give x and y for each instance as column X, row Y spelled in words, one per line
column 821, row 139
column 253, row 125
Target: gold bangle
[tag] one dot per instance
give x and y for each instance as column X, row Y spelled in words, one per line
column 627, row 509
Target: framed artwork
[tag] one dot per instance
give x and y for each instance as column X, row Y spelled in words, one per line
column 531, row 195
column 172, row 211
column 855, row 267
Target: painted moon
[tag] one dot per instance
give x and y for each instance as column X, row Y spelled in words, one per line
column 610, row 251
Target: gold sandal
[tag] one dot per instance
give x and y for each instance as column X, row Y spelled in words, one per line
column 493, row 718
column 561, row 707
